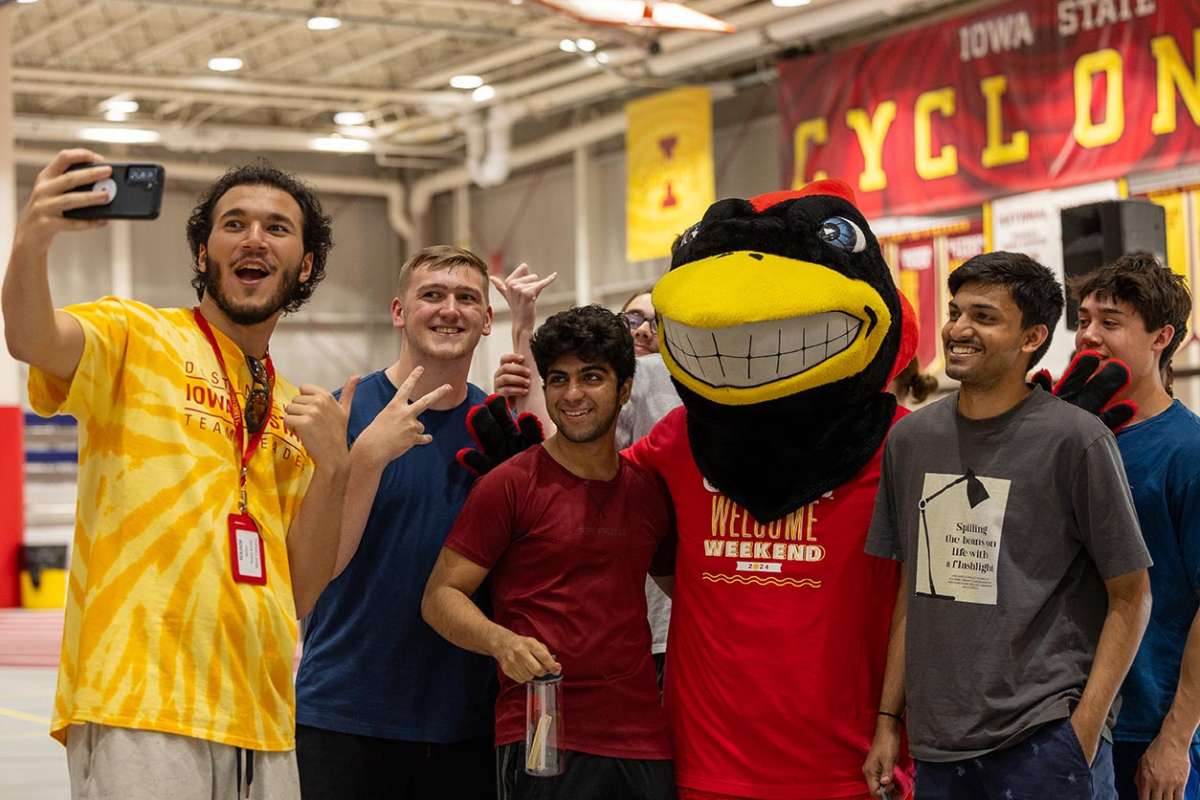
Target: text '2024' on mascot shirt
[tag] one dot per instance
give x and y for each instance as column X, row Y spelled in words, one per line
column 158, row 636
column 752, row 587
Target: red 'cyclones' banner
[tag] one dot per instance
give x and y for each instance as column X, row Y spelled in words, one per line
column 1021, row 96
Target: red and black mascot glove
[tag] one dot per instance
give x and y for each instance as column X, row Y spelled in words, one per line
column 1091, row 382
column 499, row 437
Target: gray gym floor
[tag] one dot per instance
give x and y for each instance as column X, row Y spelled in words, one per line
column 32, row 765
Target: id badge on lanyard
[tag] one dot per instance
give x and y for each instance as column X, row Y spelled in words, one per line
column 247, row 553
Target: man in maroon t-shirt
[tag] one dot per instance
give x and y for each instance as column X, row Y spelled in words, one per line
column 567, row 531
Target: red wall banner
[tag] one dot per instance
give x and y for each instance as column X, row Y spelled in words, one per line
column 1025, row 95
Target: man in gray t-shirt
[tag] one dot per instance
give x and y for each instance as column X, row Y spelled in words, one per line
column 1025, row 591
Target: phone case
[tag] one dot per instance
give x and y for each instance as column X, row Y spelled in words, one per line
column 138, row 188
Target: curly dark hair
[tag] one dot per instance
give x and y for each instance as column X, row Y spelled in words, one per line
column 1033, row 287
column 315, row 228
column 1156, row 293
column 591, row 333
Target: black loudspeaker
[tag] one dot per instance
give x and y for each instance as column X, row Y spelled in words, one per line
column 1099, row 233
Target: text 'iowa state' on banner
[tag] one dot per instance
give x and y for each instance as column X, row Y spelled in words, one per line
column 668, row 144
column 1025, row 95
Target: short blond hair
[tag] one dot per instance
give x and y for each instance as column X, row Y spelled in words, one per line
column 442, row 256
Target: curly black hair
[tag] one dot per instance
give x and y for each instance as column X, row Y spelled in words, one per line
column 316, row 228
column 591, row 333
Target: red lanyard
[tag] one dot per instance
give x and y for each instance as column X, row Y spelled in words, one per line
column 246, row 449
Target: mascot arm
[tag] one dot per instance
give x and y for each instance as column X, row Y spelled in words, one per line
column 498, row 437
column 1093, row 382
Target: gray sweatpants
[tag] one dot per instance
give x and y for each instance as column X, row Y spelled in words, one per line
column 107, row 763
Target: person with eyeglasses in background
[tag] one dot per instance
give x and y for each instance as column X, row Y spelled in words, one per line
column 210, row 491
column 652, row 397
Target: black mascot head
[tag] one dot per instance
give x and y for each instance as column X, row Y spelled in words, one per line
column 782, row 327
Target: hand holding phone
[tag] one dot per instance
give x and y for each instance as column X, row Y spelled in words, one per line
column 134, row 191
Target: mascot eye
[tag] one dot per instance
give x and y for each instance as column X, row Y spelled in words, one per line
column 843, row 234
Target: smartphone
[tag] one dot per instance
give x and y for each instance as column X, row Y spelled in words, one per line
column 136, row 192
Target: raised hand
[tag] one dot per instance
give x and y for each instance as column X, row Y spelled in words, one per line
column 512, row 378
column 1092, row 382
column 320, row 421
column 42, row 219
column 520, row 289
column 397, row 428
column 498, row 436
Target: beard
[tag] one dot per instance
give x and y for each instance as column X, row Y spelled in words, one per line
column 249, row 314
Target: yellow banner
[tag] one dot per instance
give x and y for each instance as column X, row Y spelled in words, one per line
column 1174, row 206
column 668, row 147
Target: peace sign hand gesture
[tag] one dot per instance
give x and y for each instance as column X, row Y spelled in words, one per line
column 397, row 428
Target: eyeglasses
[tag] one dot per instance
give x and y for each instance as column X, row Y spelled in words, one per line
column 635, row 319
column 258, row 401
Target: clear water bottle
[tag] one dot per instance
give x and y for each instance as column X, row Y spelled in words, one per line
column 543, row 726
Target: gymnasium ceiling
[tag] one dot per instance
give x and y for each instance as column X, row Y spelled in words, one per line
column 390, row 60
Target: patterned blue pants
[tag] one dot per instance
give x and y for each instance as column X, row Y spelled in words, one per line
column 1049, row 764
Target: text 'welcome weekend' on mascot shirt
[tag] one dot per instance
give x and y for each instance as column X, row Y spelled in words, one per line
column 157, row 634
column 778, row 632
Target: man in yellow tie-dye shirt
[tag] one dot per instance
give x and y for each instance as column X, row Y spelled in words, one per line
column 210, row 492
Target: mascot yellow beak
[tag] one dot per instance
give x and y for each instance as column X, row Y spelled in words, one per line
column 747, row 327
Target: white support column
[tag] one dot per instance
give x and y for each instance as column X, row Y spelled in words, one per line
column 9, row 375
column 583, row 218
column 121, row 241
column 462, row 216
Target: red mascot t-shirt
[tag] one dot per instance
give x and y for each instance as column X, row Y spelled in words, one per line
column 778, row 636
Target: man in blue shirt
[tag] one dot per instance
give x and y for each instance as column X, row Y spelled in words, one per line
column 1136, row 310
column 385, row 706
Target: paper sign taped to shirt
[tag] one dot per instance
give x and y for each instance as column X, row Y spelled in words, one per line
column 959, row 534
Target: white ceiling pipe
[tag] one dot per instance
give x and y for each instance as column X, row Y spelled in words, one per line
column 597, row 130
column 391, row 191
column 488, row 145
column 122, row 82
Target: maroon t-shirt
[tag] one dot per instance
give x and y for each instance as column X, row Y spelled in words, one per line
column 568, row 560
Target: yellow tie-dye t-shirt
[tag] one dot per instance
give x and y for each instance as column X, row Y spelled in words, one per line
column 158, row 635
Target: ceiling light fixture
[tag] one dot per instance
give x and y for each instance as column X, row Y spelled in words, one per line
column 585, row 44
column 339, row 144
column 466, row 81
column 324, row 23
column 26, row 2
column 568, row 46
column 483, row 93
column 120, row 105
column 115, row 116
column 639, row 14
column 602, row 57
column 119, row 135
column 224, row 64
column 350, row 118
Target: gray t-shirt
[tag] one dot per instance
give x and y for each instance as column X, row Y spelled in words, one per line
column 652, row 397
column 1020, row 518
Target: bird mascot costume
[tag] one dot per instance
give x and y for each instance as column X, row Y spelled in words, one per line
column 782, row 328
